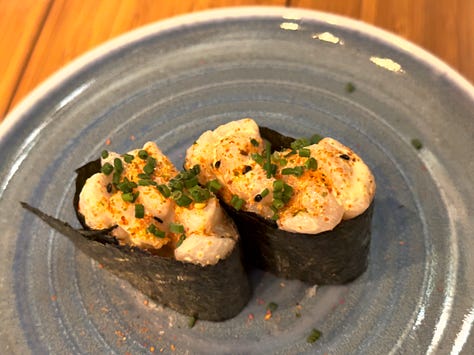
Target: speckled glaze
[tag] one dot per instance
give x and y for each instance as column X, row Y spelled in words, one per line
column 287, row 69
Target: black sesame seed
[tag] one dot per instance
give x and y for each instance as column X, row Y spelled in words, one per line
column 158, row 219
column 246, row 169
column 109, row 187
column 217, row 164
column 345, row 157
column 258, row 198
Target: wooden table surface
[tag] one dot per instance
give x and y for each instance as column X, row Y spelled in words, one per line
column 38, row 37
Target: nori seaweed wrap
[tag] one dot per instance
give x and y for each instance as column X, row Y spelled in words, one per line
column 336, row 255
column 214, row 291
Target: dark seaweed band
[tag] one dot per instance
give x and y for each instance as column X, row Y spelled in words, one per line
column 214, row 292
column 332, row 257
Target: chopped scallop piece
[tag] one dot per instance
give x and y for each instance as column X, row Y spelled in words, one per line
column 353, row 183
column 204, row 250
column 94, row 202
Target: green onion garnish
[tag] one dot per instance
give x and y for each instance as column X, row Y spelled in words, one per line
column 416, row 143
column 313, row 336
column 191, row 182
column 198, row 194
column 164, row 190
column 272, row 306
column 315, row 138
column 191, row 320
column 139, row 211
column 264, row 192
column 258, row 158
column 155, row 231
column 214, row 185
column 196, row 169
column 278, row 204
column 182, row 200
column 130, row 196
column 237, row 202
column 104, row 154
column 142, row 154
column 350, row 87
column 176, row 228
column 118, row 165
column 116, row 177
column 254, row 142
column 304, row 152
column 107, row 168
column 297, row 171
column 311, row 164
column 181, row 239
column 299, row 143
column 128, row 158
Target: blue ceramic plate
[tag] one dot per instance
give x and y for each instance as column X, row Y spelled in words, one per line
column 289, row 70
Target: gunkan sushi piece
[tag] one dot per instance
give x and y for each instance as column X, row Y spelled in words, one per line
column 158, row 229
column 303, row 207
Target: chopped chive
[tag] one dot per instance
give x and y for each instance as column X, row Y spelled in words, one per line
column 268, row 160
column 143, row 154
column 107, row 168
column 416, row 143
column 278, row 204
column 130, row 196
column 214, row 185
column 104, row 154
column 278, row 185
column 191, row 182
column 126, row 186
column 155, row 231
column 116, row 177
column 148, row 169
column 272, row 306
column 299, row 143
column 254, row 142
column 128, row 158
column 183, row 200
column 196, row 169
column 144, row 176
column 181, row 239
column 350, row 87
column 237, row 202
column 313, row 336
column 258, row 158
column 139, row 211
column 315, row 138
column 304, row 152
column 176, row 228
column 311, row 164
column 198, row 194
column 191, row 321
column 145, row 182
column 297, row 171
column 264, row 192
column 164, row 190
column 118, row 164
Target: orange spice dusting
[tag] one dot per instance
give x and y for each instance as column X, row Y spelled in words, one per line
column 268, row 315
column 145, row 302
column 173, row 348
column 108, row 141
column 152, row 349
column 132, row 137
column 54, row 298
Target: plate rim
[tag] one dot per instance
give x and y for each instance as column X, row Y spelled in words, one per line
column 108, row 47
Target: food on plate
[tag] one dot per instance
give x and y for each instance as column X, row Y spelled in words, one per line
column 303, row 207
column 160, row 230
